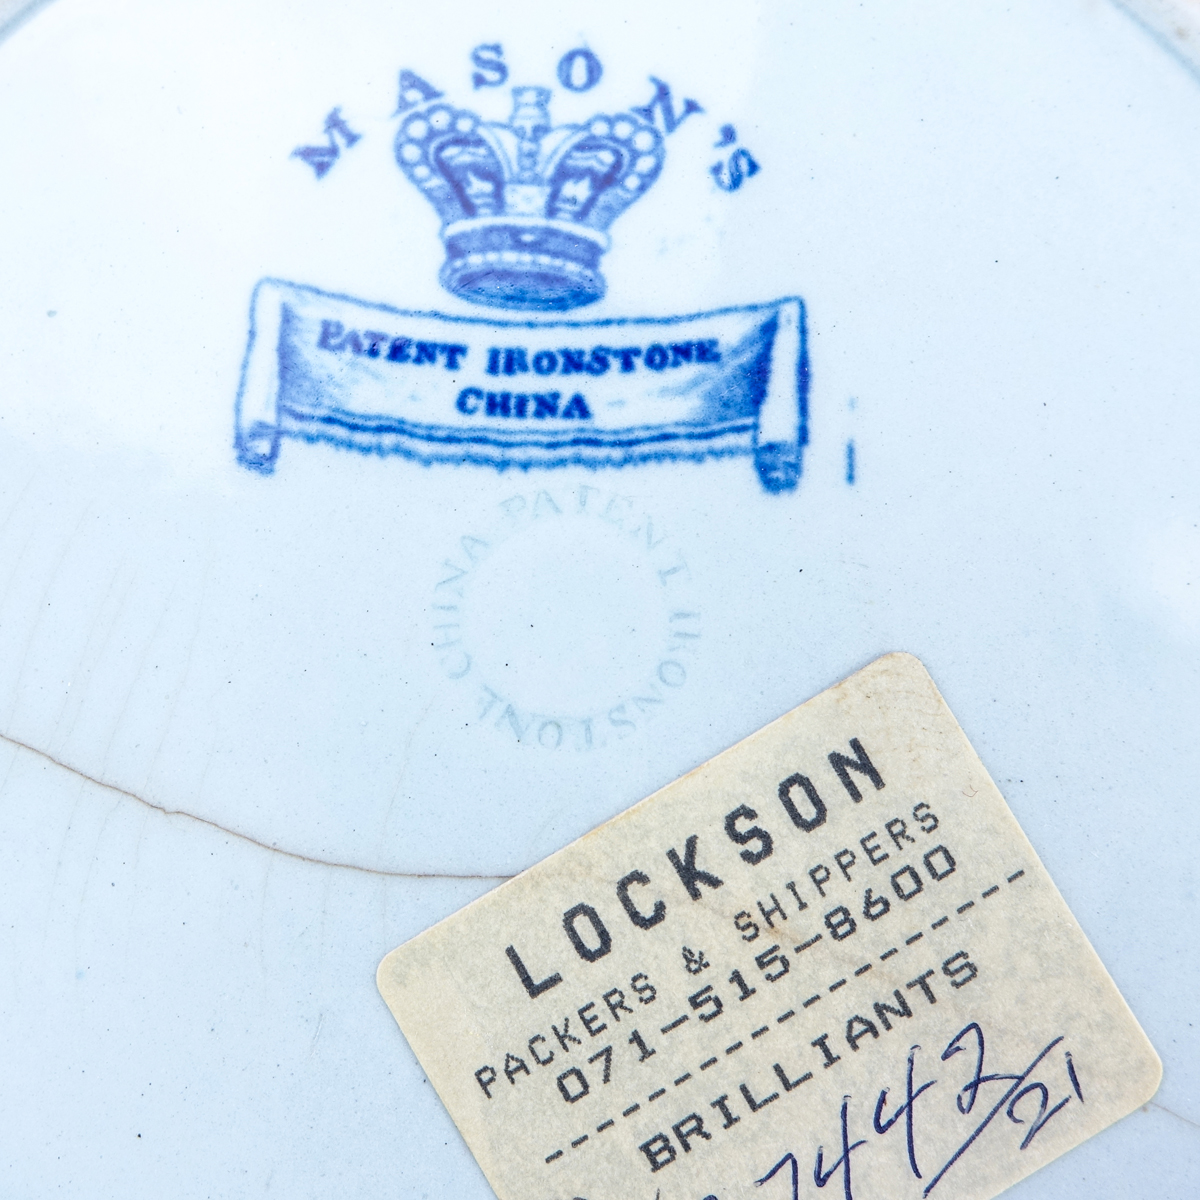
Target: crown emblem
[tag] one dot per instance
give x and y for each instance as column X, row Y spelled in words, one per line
column 525, row 206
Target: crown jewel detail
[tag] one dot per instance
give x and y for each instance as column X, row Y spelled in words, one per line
column 525, row 205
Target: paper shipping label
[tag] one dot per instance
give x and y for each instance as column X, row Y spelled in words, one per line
column 826, row 959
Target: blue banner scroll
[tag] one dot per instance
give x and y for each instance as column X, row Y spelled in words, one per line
column 330, row 368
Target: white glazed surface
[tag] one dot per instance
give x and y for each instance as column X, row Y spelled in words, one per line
column 991, row 216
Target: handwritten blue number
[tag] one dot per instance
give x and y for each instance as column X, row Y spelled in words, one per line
column 783, row 1162
column 905, row 1110
column 821, row 1178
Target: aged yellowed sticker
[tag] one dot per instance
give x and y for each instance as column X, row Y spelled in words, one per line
column 826, row 959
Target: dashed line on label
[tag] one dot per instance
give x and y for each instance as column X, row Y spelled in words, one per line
column 786, row 1016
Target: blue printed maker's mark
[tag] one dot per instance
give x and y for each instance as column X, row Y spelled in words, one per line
column 525, row 205
column 368, row 377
